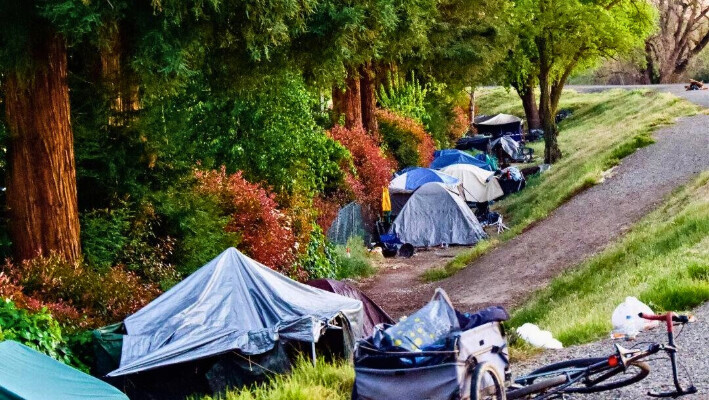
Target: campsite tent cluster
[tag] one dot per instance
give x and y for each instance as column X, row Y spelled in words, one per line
column 234, row 321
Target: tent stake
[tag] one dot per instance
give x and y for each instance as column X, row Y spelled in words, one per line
column 312, row 348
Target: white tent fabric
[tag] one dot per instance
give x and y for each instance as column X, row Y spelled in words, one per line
column 499, row 119
column 479, row 185
column 434, row 215
column 232, row 303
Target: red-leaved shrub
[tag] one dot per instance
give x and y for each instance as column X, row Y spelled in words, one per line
column 460, row 124
column 74, row 293
column 373, row 168
column 406, row 139
column 265, row 232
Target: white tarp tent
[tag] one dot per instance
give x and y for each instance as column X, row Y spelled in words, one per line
column 434, row 215
column 479, row 185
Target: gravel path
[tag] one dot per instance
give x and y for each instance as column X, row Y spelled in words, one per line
column 694, row 355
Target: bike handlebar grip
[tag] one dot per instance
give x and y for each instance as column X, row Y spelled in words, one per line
column 662, row 317
column 682, row 319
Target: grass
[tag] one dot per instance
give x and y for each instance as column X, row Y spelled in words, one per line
column 460, row 261
column 358, row 264
column 663, row 260
column 331, row 381
column 604, row 128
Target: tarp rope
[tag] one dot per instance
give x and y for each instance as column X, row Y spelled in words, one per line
column 254, row 362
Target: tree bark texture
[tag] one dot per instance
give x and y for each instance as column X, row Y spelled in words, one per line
column 547, row 111
column 41, row 182
column 120, row 84
column 683, row 34
column 348, row 101
column 529, row 102
column 368, row 87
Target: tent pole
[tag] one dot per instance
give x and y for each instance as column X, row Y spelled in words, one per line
column 312, row 350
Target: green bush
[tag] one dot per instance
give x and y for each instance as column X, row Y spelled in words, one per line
column 319, row 259
column 406, row 139
column 406, row 98
column 36, row 330
column 357, row 264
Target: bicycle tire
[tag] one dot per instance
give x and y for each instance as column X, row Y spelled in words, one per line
column 643, row 369
column 478, row 387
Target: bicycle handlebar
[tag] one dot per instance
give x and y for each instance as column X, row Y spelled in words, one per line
column 670, row 316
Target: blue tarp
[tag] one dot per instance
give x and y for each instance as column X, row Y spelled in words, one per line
column 28, row 374
column 444, row 158
column 417, row 177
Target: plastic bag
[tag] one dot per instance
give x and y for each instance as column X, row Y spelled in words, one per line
column 531, row 334
column 626, row 322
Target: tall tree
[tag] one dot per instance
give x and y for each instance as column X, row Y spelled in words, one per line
column 683, row 33
column 568, row 35
column 41, row 181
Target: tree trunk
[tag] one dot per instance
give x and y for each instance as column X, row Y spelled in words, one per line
column 41, row 182
column 471, row 110
column 120, row 84
column 529, row 102
column 368, row 89
column 552, row 153
column 348, row 102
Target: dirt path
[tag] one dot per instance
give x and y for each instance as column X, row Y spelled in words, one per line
column 578, row 229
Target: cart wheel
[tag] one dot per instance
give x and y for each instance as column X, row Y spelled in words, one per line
column 486, row 383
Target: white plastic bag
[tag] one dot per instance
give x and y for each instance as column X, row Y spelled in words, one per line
column 531, row 334
column 626, row 322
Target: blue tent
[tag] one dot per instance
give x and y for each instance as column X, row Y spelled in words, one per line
column 444, row 158
column 28, row 374
column 417, row 177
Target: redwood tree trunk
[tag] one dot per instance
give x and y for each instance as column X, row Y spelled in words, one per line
column 41, row 182
column 348, row 101
column 368, row 89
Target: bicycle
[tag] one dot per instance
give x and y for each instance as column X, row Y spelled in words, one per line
column 586, row 375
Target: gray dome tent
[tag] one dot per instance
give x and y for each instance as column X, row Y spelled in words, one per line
column 434, row 215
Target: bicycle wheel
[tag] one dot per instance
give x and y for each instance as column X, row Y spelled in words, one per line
column 486, row 383
column 597, row 380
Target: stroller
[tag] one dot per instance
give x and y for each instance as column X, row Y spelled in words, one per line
column 431, row 354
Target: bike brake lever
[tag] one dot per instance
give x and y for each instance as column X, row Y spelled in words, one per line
column 690, row 390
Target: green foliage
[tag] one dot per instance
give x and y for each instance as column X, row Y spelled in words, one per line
column 358, row 264
column 325, row 380
column 406, row 138
column 405, row 97
column 270, row 134
column 197, row 223
column 662, row 261
column 36, row 330
column 319, row 259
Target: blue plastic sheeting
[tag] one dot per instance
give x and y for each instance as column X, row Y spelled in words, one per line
column 28, row 374
column 444, row 158
column 232, row 303
column 417, row 177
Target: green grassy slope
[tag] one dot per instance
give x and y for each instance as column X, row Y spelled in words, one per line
column 604, row 128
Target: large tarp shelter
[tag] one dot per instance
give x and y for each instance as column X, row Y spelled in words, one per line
column 373, row 314
column 479, row 185
column 348, row 223
column 234, row 305
column 499, row 125
column 30, row 375
column 411, row 180
column 444, row 158
column 434, row 215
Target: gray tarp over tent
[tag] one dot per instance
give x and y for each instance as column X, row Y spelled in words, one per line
column 30, row 375
column 433, row 215
column 348, row 223
column 232, row 303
